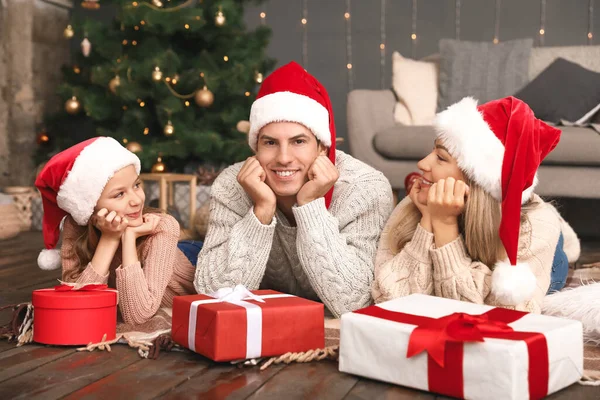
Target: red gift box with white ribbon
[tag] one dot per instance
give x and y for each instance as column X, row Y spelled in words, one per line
column 461, row 349
column 236, row 324
column 70, row 314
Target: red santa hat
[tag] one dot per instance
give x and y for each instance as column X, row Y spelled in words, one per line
column 500, row 145
column 291, row 94
column 72, row 182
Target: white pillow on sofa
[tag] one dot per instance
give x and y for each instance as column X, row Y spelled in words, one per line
column 416, row 85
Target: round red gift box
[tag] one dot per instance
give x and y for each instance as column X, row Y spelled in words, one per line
column 74, row 317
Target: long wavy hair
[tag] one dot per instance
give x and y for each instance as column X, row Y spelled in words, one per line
column 87, row 240
column 479, row 225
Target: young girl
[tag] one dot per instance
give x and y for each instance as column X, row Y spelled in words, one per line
column 108, row 235
column 471, row 228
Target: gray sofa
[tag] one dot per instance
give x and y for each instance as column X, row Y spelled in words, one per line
column 571, row 170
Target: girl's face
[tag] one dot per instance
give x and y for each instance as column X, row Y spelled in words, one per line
column 124, row 195
column 439, row 164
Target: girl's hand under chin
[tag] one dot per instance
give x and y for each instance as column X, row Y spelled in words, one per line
column 146, row 228
column 110, row 224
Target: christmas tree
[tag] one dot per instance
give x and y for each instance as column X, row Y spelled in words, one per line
column 168, row 78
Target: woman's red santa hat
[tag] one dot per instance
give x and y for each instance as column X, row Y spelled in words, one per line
column 500, row 146
column 290, row 94
column 72, row 182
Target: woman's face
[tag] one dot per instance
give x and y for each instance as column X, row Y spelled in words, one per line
column 438, row 164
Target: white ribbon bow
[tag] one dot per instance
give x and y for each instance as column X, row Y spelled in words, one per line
column 238, row 293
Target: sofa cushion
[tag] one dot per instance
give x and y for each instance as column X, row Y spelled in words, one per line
column 402, row 142
column 564, row 90
column 483, row 70
column 541, row 57
column 578, row 146
column 416, row 86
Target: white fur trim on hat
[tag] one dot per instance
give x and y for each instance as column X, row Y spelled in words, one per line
column 49, row 259
column 289, row 107
column 92, row 169
column 478, row 151
column 513, row 284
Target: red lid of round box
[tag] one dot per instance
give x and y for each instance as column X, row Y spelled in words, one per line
column 74, row 299
column 75, row 317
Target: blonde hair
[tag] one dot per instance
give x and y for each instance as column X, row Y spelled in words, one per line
column 479, row 224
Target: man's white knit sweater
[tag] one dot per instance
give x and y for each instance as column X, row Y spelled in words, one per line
column 329, row 255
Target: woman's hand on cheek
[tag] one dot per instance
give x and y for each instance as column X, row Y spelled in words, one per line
column 414, row 196
column 446, row 200
column 110, row 224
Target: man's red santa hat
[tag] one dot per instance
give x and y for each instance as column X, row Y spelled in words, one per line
column 72, row 182
column 290, row 94
column 499, row 145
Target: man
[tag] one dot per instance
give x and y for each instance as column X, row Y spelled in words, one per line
column 299, row 216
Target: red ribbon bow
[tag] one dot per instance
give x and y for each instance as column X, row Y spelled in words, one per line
column 443, row 339
column 434, row 335
column 86, row 288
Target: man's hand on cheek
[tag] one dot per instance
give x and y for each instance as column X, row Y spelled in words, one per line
column 322, row 175
column 252, row 179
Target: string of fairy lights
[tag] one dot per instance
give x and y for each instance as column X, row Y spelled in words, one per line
column 414, row 34
column 590, row 31
column 349, row 45
column 542, row 31
column 382, row 53
column 457, row 19
column 496, row 39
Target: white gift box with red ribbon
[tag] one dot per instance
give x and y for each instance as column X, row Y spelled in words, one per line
column 462, row 349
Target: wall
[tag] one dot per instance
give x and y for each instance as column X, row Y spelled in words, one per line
column 32, row 51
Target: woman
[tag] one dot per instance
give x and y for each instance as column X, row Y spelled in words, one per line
column 471, row 227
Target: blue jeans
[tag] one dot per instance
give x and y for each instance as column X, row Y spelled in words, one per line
column 191, row 249
column 560, row 267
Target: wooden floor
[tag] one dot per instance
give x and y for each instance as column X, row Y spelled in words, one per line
column 36, row 371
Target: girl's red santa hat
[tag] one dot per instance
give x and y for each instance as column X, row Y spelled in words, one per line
column 500, row 145
column 72, row 182
column 290, row 94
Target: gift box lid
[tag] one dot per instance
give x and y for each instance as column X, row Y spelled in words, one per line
column 74, row 299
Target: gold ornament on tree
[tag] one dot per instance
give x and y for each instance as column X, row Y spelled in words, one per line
column 69, row 32
column 157, row 74
column 134, row 147
column 258, row 77
column 157, row 3
column 72, row 106
column 169, row 129
column 159, row 166
column 220, row 18
column 204, row 97
column 90, row 4
column 243, row 126
column 114, row 84
column 86, row 47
